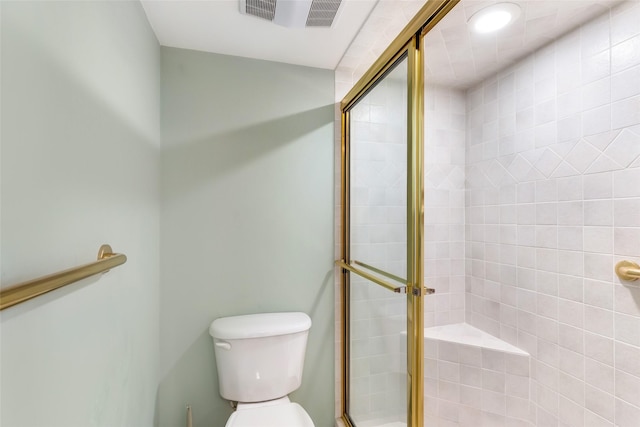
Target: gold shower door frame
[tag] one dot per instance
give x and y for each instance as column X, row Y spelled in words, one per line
column 409, row 43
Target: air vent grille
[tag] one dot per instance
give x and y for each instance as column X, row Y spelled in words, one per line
column 322, row 13
column 265, row 9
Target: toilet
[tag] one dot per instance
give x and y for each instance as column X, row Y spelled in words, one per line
column 260, row 358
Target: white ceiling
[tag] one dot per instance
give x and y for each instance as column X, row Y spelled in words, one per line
column 454, row 55
column 217, row 26
column 457, row 57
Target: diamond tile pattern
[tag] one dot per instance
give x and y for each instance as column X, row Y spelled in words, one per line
column 610, row 151
column 620, row 149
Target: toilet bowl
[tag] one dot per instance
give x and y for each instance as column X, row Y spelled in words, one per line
column 282, row 413
column 260, row 360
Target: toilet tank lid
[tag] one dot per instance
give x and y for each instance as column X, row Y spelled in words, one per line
column 259, row 325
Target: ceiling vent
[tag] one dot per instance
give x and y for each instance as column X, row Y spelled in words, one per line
column 293, row 13
column 265, row 9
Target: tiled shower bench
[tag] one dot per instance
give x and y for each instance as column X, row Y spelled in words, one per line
column 475, row 379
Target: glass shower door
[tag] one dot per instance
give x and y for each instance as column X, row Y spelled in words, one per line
column 378, row 246
column 382, row 219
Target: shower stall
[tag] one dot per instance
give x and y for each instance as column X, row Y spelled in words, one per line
column 490, row 186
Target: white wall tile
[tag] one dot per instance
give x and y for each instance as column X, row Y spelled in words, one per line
column 625, row 113
column 597, row 120
column 598, row 212
column 596, row 94
column 571, row 363
column 570, row 188
column 598, row 239
column 593, row 420
column 626, row 358
column 571, row 387
column 598, row 266
column 627, row 387
column 571, row 288
column 625, row 183
column 627, row 299
column 599, row 376
column 494, row 402
column 594, row 37
column 625, row 54
column 626, row 241
column 598, row 293
column 493, row 381
column 548, row 354
column 600, row 402
column 599, row 348
column 570, row 413
column 627, row 213
column 627, row 329
column 624, row 22
column 570, row 263
column 598, row 186
column 597, row 66
column 625, row 84
column 449, row 371
column 571, row 338
column 626, row 415
column 598, row 320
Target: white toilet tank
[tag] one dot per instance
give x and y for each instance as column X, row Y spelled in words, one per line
column 260, row 357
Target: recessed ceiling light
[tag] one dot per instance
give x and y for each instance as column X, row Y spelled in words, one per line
column 494, row 17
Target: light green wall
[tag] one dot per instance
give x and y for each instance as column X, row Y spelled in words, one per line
column 80, row 167
column 247, row 218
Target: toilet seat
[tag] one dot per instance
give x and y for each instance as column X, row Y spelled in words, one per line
column 288, row 414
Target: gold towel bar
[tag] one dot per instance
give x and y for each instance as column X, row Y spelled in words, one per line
column 383, row 283
column 381, row 272
column 374, row 279
column 628, row 270
column 26, row 290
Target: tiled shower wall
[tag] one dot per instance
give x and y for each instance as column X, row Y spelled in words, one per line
column 444, row 205
column 552, row 203
column 541, row 237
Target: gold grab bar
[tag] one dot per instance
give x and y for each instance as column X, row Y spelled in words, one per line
column 628, row 270
column 383, row 283
column 26, row 290
column 374, row 279
column 381, row 272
